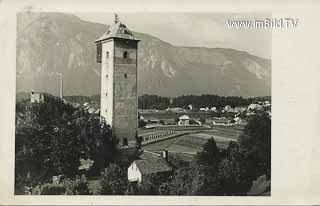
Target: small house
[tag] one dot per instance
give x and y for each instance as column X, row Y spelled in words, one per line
column 36, row 97
column 184, row 120
column 149, row 164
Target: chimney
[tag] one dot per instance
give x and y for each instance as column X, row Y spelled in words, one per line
column 165, row 155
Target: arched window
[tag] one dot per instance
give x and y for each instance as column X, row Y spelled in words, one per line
column 125, row 55
column 125, row 76
column 107, row 55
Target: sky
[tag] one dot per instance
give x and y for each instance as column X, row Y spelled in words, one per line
column 195, row 29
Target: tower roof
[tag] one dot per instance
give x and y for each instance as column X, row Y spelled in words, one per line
column 117, row 30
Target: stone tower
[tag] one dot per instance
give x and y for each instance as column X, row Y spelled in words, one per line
column 117, row 52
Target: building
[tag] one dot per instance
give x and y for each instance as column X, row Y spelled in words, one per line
column 240, row 109
column 117, row 51
column 213, row 109
column 176, row 109
column 254, row 106
column 221, row 122
column 184, row 120
column 36, row 97
column 239, row 120
column 228, row 108
column 204, row 109
column 149, row 164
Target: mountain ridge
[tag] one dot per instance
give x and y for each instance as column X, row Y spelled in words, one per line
column 63, row 43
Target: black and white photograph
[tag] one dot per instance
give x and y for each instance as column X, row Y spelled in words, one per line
column 143, row 104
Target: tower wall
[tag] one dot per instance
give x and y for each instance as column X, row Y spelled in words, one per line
column 107, row 68
column 119, row 100
column 125, row 118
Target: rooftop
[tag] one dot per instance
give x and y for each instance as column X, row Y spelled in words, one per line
column 117, row 30
column 184, row 117
column 151, row 164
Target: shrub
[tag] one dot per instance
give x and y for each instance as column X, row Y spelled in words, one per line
column 53, row 189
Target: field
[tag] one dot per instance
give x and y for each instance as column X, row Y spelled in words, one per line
column 192, row 143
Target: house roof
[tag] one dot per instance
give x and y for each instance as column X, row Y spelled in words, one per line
column 184, row 117
column 117, row 30
column 152, row 164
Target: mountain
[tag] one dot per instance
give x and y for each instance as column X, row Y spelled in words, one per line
column 51, row 43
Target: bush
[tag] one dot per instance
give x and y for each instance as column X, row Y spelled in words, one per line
column 113, row 181
column 53, row 189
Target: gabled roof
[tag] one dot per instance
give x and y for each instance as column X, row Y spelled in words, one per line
column 184, row 117
column 151, row 164
column 117, row 30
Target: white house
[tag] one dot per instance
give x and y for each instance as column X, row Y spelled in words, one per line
column 184, row 120
column 228, row 108
column 149, row 164
column 36, row 97
column 239, row 120
column 254, row 106
column 213, row 109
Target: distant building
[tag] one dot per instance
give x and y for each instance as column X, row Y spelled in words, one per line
column 204, row 109
column 254, row 107
column 176, row 109
column 239, row 120
column 76, row 105
column 36, row 97
column 228, row 108
column 221, row 122
column 213, row 109
column 91, row 110
column 149, row 164
column 184, row 120
column 240, row 109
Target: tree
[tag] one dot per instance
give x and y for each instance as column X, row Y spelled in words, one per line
column 255, row 143
column 232, row 173
column 210, row 155
column 113, row 181
column 188, row 180
column 52, row 137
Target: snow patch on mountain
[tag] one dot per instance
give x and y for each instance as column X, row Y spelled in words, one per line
column 167, row 69
column 255, row 68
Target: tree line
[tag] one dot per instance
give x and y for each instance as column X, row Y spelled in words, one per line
column 197, row 101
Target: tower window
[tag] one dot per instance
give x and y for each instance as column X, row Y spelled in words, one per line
column 106, row 93
column 125, row 55
column 107, row 76
column 107, row 55
column 125, row 76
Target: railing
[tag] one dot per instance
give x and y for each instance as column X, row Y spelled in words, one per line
column 160, row 135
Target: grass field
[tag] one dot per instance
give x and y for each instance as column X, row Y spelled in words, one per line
column 193, row 143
